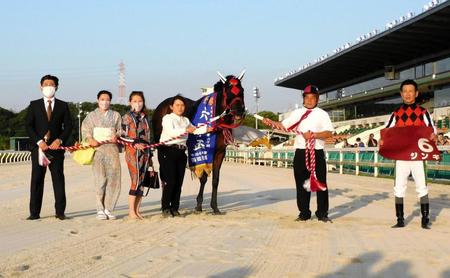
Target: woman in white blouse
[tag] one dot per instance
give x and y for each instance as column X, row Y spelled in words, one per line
column 172, row 156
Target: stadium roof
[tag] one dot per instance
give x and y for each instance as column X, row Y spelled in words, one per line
column 425, row 37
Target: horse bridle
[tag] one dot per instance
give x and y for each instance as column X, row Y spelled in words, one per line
column 229, row 111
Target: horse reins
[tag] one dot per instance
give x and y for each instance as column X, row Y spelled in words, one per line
column 125, row 142
column 229, row 111
column 220, row 125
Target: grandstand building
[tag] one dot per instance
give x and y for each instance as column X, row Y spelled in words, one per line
column 360, row 81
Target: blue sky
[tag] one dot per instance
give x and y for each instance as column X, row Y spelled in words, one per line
column 171, row 47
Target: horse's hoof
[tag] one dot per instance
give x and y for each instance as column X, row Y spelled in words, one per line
column 198, row 210
column 217, row 212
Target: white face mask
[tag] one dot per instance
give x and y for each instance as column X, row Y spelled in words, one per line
column 104, row 104
column 137, row 106
column 48, row 91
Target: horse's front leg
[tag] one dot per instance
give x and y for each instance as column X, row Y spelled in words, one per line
column 218, row 159
column 203, row 179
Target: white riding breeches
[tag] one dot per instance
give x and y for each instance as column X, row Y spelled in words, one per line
column 402, row 170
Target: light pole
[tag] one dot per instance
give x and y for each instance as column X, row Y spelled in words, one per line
column 80, row 112
column 256, row 95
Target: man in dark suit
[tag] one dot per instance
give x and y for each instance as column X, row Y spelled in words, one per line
column 48, row 125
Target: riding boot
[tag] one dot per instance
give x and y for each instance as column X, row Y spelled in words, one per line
column 399, row 213
column 425, row 210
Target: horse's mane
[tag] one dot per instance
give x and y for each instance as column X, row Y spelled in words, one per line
column 191, row 110
column 218, row 88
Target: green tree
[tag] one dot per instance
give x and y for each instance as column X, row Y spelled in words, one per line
column 250, row 120
column 13, row 124
column 5, row 126
column 17, row 124
column 87, row 107
column 4, row 142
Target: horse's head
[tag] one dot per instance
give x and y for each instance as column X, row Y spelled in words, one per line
column 231, row 96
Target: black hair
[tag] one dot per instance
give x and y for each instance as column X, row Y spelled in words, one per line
column 179, row 97
column 140, row 94
column 50, row 77
column 408, row 82
column 104, row 92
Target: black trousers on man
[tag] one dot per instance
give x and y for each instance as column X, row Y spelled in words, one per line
column 172, row 162
column 301, row 174
column 37, row 181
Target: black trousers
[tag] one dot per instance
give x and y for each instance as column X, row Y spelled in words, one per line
column 172, row 163
column 37, row 181
column 301, row 174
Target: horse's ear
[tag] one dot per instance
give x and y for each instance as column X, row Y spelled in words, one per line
column 241, row 75
column 224, row 80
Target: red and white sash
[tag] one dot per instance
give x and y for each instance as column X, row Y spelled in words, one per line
column 310, row 159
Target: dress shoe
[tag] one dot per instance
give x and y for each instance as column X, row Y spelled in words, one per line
column 61, row 216
column 175, row 213
column 167, row 213
column 33, row 217
column 324, row 219
column 302, row 217
column 101, row 215
column 110, row 215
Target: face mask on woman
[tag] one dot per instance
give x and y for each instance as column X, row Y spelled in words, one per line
column 48, row 91
column 137, row 106
column 104, row 104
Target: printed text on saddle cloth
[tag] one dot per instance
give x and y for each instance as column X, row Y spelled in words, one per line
column 408, row 143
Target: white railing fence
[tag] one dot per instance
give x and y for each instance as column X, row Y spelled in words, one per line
column 342, row 160
column 7, row 157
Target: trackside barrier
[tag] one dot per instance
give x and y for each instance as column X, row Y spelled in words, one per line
column 8, row 157
column 342, row 160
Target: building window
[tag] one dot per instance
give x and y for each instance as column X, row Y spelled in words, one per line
column 420, row 71
column 442, row 97
column 443, row 65
column 332, row 95
column 407, row 74
column 429, row 69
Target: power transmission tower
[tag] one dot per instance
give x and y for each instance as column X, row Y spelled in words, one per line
column 122, row 86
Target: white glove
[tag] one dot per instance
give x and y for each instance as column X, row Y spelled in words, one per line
column 307, row 185
column 201, row 130
column 258, row 117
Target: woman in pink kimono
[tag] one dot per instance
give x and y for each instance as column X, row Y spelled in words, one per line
column 103, row 124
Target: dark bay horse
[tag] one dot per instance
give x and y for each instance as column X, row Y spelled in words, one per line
column 229, row 104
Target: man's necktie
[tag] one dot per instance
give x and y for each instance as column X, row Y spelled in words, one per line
column 49, row 116
column 49, row 110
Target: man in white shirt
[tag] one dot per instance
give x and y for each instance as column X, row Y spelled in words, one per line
column 310, row 121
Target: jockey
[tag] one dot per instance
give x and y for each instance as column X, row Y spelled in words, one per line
column 311, row 122
column 410, row 114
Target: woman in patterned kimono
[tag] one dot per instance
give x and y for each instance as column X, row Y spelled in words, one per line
column 135, row 126
column 100, row 125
